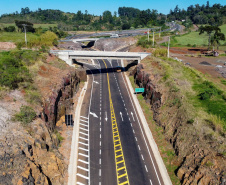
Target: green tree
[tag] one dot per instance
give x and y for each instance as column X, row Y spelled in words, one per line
column 209, row 30
column 216, row 38
column 48, row 38
column 107, row 17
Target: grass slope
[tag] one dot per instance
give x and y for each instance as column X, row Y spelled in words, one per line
column 16, row 37
column 193, row 38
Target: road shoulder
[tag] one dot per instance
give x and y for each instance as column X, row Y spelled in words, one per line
column 161, row 166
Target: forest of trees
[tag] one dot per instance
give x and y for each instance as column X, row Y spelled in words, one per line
column 205, row 14
column 125, row 18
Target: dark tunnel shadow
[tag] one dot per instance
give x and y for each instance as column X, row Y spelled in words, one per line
column 89, row 45
column 104, row 70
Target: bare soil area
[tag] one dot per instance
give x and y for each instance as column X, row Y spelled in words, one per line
column 7, row 45
column 212, row 67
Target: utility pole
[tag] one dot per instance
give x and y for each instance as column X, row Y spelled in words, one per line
column 24, row 25
column 168, row 47
column 153, row 38
column 160, row 32
column 148, row 34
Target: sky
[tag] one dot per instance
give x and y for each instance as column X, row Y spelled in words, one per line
column 97, row 7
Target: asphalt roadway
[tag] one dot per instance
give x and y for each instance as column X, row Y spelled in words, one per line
column 118, row 151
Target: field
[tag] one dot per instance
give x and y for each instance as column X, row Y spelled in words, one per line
column 16, row 37
column 194, row 39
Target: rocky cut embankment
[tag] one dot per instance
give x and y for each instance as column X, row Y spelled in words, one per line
column 114, row 44
column 200, row 156
column 29, row 152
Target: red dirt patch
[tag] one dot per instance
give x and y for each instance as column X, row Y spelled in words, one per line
column 43, row 68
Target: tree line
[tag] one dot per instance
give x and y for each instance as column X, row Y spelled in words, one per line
column 125, row 18
column 214, row 15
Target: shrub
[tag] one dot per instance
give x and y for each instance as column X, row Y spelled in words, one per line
column 48, row 38
column 223, row 82
column 208, row 91
column 33, row 96
column 143, row 42
column 12, row 72
column 58, row 136
column 10, row 29
column 26, row 115
column 19, row 45
column 160, row 52
column 190, row 121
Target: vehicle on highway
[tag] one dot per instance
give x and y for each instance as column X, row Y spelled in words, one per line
column 114, row 36
column 118, row 69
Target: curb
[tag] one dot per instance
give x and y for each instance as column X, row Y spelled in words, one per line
column 72, row 167
column 151, row 141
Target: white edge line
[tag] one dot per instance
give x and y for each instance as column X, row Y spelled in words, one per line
column 72, row 167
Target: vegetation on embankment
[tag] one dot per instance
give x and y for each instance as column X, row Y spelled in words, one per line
column 33, row 39
column 190, row 112
column 36, row 90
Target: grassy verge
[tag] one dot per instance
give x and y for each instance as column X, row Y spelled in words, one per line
column 16, row 37
column 165, row 149
column 193, row 39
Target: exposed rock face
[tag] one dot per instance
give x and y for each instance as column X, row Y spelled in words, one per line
column 200, row 162
column 60, row 99
column 29, row 154
column 70, row 46
column 113, row 43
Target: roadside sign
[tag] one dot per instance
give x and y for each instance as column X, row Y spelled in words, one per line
column 138, row 90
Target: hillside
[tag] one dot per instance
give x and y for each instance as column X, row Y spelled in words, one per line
column 127, row 18
column 35, row 92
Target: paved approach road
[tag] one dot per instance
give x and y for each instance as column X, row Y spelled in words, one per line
column 114, row 147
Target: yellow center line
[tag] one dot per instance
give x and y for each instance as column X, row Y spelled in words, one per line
column 122, row 176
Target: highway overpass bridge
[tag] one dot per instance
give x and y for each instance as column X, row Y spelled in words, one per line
column 68, row 56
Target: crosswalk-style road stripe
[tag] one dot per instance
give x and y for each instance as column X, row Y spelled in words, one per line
column 83, row 117
column 83, row 138
column 85, row 169
column 84, row 120
column 83, row 129
column 83, row 133
column 122, row 176
column 79, row 183
column 83, row 149
column 83, row 155
column 83, row 161
column 83, row 143
column 83, row 176
column 83, row 125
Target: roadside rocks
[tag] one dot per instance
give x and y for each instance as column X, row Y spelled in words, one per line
column 70, row 46
column 29, row 153
column 56, row 104
column 113, row 44
column 199, row 160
